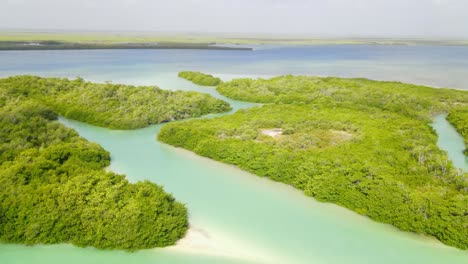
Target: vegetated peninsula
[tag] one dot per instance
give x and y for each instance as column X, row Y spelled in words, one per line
column 114, row 106
column 54, row 188
column 365, row 145
column 200, row 78
column 53, row 183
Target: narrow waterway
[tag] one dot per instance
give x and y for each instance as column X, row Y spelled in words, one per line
column 242, row 218
column 236, row 217
column 450, row 141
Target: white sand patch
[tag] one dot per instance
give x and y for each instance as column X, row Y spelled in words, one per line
column 199, row 241
column 343, row 135
column 274, row 132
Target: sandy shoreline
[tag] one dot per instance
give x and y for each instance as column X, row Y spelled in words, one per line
column 200, row 242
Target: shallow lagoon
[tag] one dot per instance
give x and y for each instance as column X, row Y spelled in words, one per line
column 240, row 217
column 451, row 141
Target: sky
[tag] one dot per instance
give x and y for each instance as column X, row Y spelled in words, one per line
column 317, row 18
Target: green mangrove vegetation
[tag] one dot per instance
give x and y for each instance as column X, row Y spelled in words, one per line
column 412, row 100
column 54, row 187
column 115, row 106
column 200, row 78
column 365, row 145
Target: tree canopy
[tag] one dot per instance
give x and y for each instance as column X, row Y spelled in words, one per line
column 362, row 144
column 115, row 106
column 200, row 78
column 54, row 187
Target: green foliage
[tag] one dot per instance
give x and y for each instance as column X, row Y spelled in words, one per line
column 406, row 99
column 54, row 189
column 200, row 78
column 362, row 144
column 113, row 105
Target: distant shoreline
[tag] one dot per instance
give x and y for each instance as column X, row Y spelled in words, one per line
column 59, row 45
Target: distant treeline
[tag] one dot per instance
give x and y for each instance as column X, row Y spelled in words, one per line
column 362, row 144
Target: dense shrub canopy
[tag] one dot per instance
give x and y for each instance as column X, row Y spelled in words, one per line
column 114, row 106
column 416, row 101
column 54, row 189
column 362, row 144
column 200, row 78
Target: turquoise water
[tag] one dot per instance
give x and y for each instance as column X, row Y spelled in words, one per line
column 240, row 218
column 12, row 254
column 451, row 141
